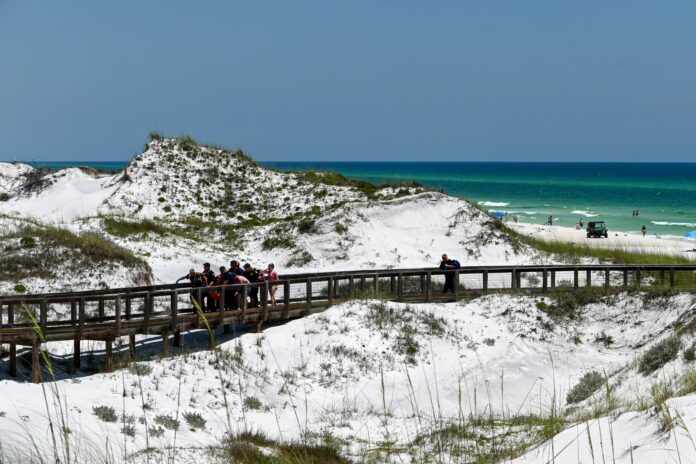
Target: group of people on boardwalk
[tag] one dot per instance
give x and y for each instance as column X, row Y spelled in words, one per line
column 235, row 275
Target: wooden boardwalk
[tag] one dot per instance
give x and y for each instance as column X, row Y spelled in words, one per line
column 166, row 310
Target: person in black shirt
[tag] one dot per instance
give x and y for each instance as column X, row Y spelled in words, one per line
column 254, row 276
column 449, row 264
column 209, row 275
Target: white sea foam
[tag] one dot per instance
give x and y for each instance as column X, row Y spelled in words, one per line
column 584, row 213
column 493, row 203
column 663, row 223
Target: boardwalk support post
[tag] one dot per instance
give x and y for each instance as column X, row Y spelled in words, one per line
column 109, row 356
column 606, row 278
column 588, row 278
column 544, row 280
column 575, row 278
column 484, row 282
column 400, row 288
column 671, row 277
column 456, row 285
column 309, row 295
column 35, row 360
column 286, row 299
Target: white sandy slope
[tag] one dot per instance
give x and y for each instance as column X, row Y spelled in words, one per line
column 337, row 371
column 617, row 240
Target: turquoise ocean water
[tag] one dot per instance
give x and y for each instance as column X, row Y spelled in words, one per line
column 663, row 193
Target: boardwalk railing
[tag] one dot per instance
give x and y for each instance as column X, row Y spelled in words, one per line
column 109, row 314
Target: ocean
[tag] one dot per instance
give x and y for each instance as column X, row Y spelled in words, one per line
column 664, row 194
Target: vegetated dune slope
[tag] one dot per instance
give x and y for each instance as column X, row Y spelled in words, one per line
column 179, row 204
column 371, row 372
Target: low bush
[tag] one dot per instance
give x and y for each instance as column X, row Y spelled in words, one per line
column 305, row 225
column 251, row 402
column 139, row 369
column 270, row 243
column 27, row 242
column 659, row 355
column 167, row 422
column 194, row 420
column 586, row 386
column 105, row 413
column 122, row 228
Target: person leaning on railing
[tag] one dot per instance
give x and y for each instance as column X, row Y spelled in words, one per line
column 449, row 264
column 197, row 280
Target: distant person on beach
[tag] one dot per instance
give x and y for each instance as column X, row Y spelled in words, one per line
column 550, row 221
column 581, row 222
column 515, row 218
column 449, row 264
column 644, row 230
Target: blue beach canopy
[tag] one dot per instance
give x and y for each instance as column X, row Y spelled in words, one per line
column 690, row 234
column 501, row 214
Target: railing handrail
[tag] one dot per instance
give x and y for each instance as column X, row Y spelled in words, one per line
column 386, row 272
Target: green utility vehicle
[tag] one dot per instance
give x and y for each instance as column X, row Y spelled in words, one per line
column 597, row 229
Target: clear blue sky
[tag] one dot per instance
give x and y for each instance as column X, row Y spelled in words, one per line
column 351, row 80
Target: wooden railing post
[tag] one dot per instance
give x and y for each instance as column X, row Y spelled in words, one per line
column 588, row 278
column 607, row 282
column 43, row 317
column 128, row 307
column 484, row 282
column 544, row 280
column 400, row 288
column 101, row 310
column 76, row 342
column 309, row 294
column 362, row 284
column 575, row 278
column 13, row 346
column 243, row 301
column 286, row 299
column 553, row 278
column 264, row 301
column 625, row 277
column 392, row 284
column 146, row 317
column 329, row 289
column 35, row 360
column 375, row 284
column 117, row 309
column 662, row 277
column 639, row 278
column 351, row 286
column 513, row 278
column 422, row 283
column 456, row 285
column 428, row 289
column 671, row 277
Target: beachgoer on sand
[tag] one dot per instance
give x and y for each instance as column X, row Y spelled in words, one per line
column 644, row 230
column 449, row 264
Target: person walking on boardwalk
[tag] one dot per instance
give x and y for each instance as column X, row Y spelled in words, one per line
column 644, row 230
column 449, row 264
column 235, row 268
column 209, row 275
column 272, row 276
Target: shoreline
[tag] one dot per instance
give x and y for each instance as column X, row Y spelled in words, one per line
column 628, row 241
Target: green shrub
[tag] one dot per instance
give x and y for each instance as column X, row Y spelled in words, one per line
column 305, row 225
column 105, row 413
column 690, row 354
column 269, row 243
column 27, row 242
column 586, row 386
column 92, row 245
column 122, row 228
column 194, row 420
column 19, row 288
column 167, row 422
column 156, row 431
column 251, row 402
column 140, row 369
column 660, row 354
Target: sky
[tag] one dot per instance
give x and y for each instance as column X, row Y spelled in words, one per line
column 375, row 80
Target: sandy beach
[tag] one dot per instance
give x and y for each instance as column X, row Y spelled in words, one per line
column 616, row 239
